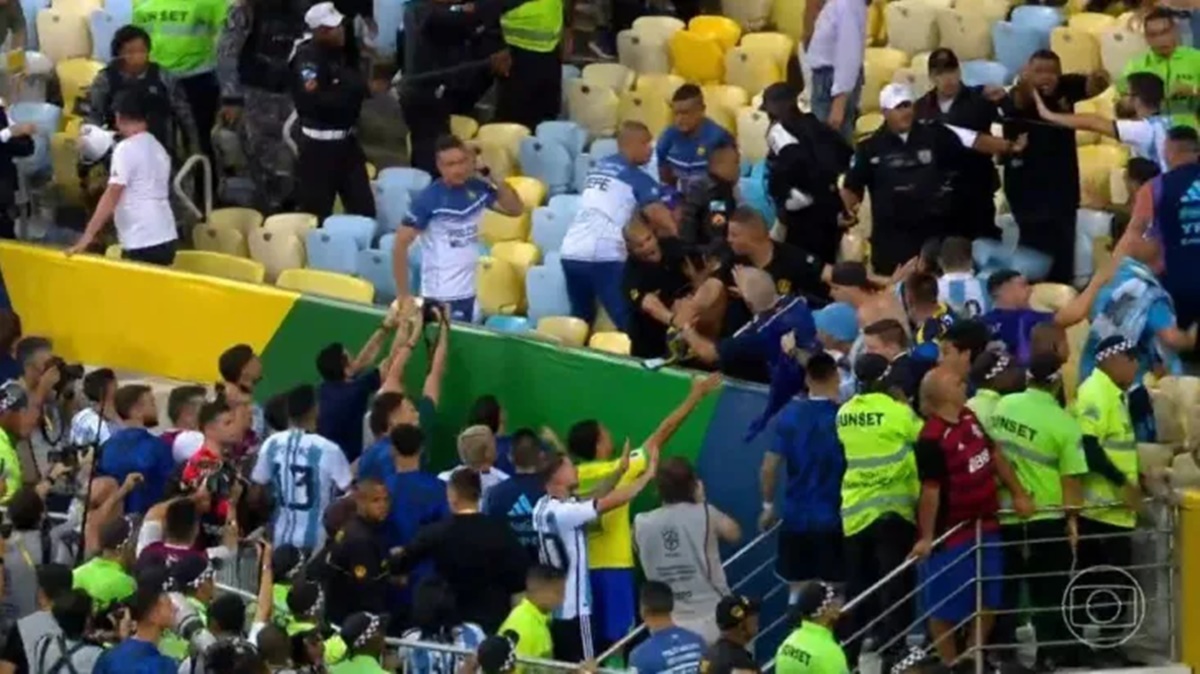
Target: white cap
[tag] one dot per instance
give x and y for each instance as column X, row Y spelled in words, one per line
column 894, row 95
column 94, row 143
column 323, row 15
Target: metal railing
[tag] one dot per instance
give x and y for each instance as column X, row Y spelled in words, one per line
column 181, row 193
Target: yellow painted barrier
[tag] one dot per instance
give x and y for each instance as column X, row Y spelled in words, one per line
column 132, row 317
column 1188, row 596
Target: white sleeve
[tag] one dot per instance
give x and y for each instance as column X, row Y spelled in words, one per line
column 575, row 515
column 1138, row 134
column 255, row 628
column 121, row 170
column 151, row 532
column 335, row 465
column 262, row 465
column 186, row 444
column 965, row 136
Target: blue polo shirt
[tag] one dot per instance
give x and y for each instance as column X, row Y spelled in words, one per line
column 341, row 406
column 376, row 462
column 134, row 656
column 417, row 499
column 806, row 441
column 687, row 153
column 675, row 650
column 136, row 450
column 448, row 219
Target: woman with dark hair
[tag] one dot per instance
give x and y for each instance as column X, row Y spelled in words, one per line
column 435, row 619
column 677, row 544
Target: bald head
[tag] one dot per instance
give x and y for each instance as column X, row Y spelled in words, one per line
column 943, row 392
column 634, row 142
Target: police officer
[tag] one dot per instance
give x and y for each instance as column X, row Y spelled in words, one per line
column 306, row 602
column 812, row 647
column 329, row 94
column 364, row 637
column 879, row 498
column 530, row 68
column 256, row 78
column 358, row 560
column 907, row 168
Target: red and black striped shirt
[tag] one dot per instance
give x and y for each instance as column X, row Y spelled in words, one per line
column 958, row 457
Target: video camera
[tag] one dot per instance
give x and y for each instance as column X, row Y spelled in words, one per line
column 68, row 455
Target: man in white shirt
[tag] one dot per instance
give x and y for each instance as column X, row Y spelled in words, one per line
column 304, row 471
column 477, row 451
column 138, row 193
column 835, row 54
column 91, row 424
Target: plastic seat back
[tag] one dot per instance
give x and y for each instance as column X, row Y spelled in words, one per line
column 503, row 135
column 571, row 135
column 277, row 251
column 643, row 53
column 327, row 284
column 412, row 179
column 375, row 265
column 592, row 107
column 244, row 220
column 751, row 70
column 982, row 73
column 1041, row 18
column 1118, row 46
column 660, row 86
column 331, row 250
column 31, row 9
column 361, row 228
column 697, row 58
column 294, row 223
column 726, row 31
column 464, row 128
column 1014, row 44
column 531, row 191
column 912, row 26
column 549, row 162
column 496, row 227
column 548, row 229
column 103, row 26
column 788, row 16
column 75, row 75
column 572, row 331
column 219, row 265
column 658, row 26
column 612, row 76
column 546, row 289
column 968, row 35
column 567, row 205
column 611, row 342
column 498, row 288
column 512, row 324
column 583, row 166
column 64, row 35
column 752, row 125
column 392, row 201
column 520, row 254
column 1092, row 22
column 1078, row 50
column 780, row 47
column 649, row 110
column 220, row 240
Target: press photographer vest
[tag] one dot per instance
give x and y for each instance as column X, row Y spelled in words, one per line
column 72, row 658
column 153, row 91
column 263, row 63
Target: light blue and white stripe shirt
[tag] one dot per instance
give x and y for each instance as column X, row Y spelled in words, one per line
column 305, row 471
column 964, row 293
column 426, row 661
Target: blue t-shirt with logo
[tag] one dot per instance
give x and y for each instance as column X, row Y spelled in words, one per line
column 673, row 650
column 687, row 153
column 512, row 502
column 1013, row 327
column 448, row 219
column 806, row 441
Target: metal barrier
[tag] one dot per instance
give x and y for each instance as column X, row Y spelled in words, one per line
column 185, row 171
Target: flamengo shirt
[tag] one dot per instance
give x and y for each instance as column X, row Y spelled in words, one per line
column 958, row 458
column 613, row 191
column 143, row 217
column 304, row 470
column 448, row 219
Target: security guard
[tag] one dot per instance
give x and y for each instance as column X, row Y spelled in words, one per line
column 1041, row 441
column 105, row 577
column 879, row 497
column 363, row 634
column 908, row 169
column 286, row 563
column 306, row 601
column 812, row 647
column 256, row 78
column 329, row 94
column 193, row 587
column 530, row 68
column 358, row 559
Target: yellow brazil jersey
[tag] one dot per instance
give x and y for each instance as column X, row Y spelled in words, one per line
column 610, row 538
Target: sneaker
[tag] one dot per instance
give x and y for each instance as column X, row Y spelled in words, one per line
column 604, row 46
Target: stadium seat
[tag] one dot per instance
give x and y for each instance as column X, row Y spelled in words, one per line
column 74, row 76
column 748, row 14
column 31, row 9
column 412, row 179
column 64, row 35
column 504, row 135
column 360, row 228
column 876, row 23
column 912, row 76
column 611, row 75
column 968, row 35
column 1096, row 163
column 912, row 26
column 751, row 70
column 1118, row 46
column 1078, row 50
column 244, row 220
column 500, row 161
column 752, row 126
column 513, row 324
column 277, row 251
column 583, row 166
column 643, row 53
column 697, row 58
column 295, row 223
column 496, row 227
column 725, row 95
column 572, row 331
column 726, row 31
column 64, row 157
column 375, row 265
column 661, row 26
column 498, row 288
column 1014, row 44
column 103, row 26
column 611, row 342
column 991, row 10
column 984, row 73
column 114, row 252
column 387, row 243
column 531, row 190
column 1092, row 22
column 572, row 136
column 867, row 124
column 1051, row 296
column 83, row 7
column 788, row 16
column 44, row 116
column 1091, row 227
column 331, row 250
column 521, row 254
column 1040, row 18
column 548, row 228
column 548, row 163
column 220, row 240
column 780, row 47
column 391, row 204
column 652, row 111
column 879, row 67
column 1103, row 105
column 566, row 205
column 603, row 147
column 219, row 265
column 464, row 128
column 592, row 107
column 662, row 86
column 327, row 284
column 546, row 290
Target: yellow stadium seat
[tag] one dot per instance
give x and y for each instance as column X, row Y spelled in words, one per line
column 500, row 162
column 64, row 158
column 969, row 35
column 612, row 75
column 113, row 251
column 1117, row 46
column 788, row 16
column 779, row 46
column 991, row 10
column 371, row 171
column 531, row 190
column 725, row 95
column 879, row 68
column 1103, row 105
column 83, row 7
column 220, row 240
column 498, row 287
column 662, row 86
column 697, row 58
column 520, row 254
column 594, row 108
column 1051, row 296
column 75, row 75
column 496, row 227
column 920, row 72
column 876, row 22
column 1096, row 163
column 643, row 53
column 327, row 284
column 63, row 35
column 752, row 126
column 572, row 331
column 724, row 29
column 611, row 342
column 659, row 26
column 294, row 223
column 912, row 26
column 243, row 220
column 749, row 14
column 464, row 128
column 750, row 70
column 220, row 265
column 914, row 80
column 867, row 124
column 853, row 248
column 1117, row 191
column 724, row 117
column 504, row 135
column 1092, row 22
column 884, row 57
column 277, row 251
column 649, row 110
column 72, row 124
column 1078, row 50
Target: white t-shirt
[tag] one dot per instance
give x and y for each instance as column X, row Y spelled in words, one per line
column 303, row 469
column 143, row 217
column 87, row 427
column 487, row 480
column 614, row 190
column 561, row 528
column 1146, row 137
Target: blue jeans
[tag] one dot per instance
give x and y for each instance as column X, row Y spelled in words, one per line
column 591, row 281
column 461, row 310
column 822, row 99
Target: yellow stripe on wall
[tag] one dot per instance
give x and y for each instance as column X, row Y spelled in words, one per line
column 137, row 317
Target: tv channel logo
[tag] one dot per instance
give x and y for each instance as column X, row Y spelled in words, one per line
column 1104, row 606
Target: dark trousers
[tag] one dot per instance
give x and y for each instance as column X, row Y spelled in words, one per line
column 1053, row 235
column 428, row 118
column 1040, row 550
column 532, row 93
column 870, row 555
column 815, row 230
column 204, row 97
column 8, row 226
column 894, row 243
column 163, row 254
column 331, row 168
column 625, row 12
column 572, row 639
column 588, row 282
column 1101, row 545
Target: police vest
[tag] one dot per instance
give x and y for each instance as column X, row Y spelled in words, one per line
column 534, row 26
column 910, row 184
column 1177, row 212
column 263, row 63
column 153, row 91
column 878, row 433
column 1105, row 415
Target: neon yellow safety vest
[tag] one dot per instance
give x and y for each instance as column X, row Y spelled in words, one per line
column 335, row 647
column 534, row 26
column 183, row 33
column 174, row 646
column 1102, row 413
column 878, row 433
column 811, row 649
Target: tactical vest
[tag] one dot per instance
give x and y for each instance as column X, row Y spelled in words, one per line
column 153, row 92
column 264, row 61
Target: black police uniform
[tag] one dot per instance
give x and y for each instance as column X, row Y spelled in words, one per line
column 21, row 146
column 648, row 337
column 263, row 62
column 911, row 189
column 154, row 94
column 357, row 570
column 329, row 95
column 708, row 204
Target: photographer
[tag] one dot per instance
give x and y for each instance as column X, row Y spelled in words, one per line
column 48, row 382
column 52, row 581
column 133, row 449
column 90, row 425
column 193, row 587
column 71, row 651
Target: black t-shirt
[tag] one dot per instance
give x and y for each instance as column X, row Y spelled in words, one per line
column 725, row 656
column 664, row 278
column 357, row 572
column 796, row 272
column 1044, row 179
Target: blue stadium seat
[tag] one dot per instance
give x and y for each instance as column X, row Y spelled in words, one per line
column 412, row 179
column 571, row 135
column 331, row 251
column 548, row 161
column 1013, row 44
column 1038, row 17
column 360, row 227
column 391, row 204
column 31, row 8
column 603, row 147
column 566, row 205
column 754, row 191
column 388, row 242
column 583, row 166
column 549, row 228
column 389, row 16
column 546, row 290
column 375, row 265
column 103, row 26
column 39, row 163
column 515, row 324
column 569, row 72
column 984, row 73
column 122, row 11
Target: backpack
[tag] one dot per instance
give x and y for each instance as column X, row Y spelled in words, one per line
column 65, row 664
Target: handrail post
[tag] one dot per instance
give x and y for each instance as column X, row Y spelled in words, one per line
column 186, row 170
column 978, row 596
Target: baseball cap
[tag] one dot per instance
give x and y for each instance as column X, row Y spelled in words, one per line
column 851, row 274
column 323, row 15
column 733, row 609
column 838, row 320
column 498, row 653
column 12, row 397
column 360, row 627
column 894, row 95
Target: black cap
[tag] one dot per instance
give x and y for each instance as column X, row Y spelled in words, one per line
column 870, row 368
column 777, row 96
column 498, row 654
column 1113, row 345
column 1045, row 367
column 851, row 274
column 999, row 277
column 190, row 572
column 285, row 561
column 360, row 627
column 305, row 598
column 942, row 60
column 733, row 610
column 815, row 598
column 115, row 533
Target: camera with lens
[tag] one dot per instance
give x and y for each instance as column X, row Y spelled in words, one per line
column 219, row 483
column 432, row 311
column 68, row 455
column 69, row 373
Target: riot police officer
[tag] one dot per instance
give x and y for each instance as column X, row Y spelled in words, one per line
column 328, row 93
column 255, row 76
column 358, row 568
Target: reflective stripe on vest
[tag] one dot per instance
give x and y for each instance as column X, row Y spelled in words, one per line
column 881, row 477
column 534, row 26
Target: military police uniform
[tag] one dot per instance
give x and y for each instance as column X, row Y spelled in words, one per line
column 357, row 570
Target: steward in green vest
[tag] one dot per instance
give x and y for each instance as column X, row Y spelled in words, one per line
column 1178, row 66
column 537, row 34
column 193, row 586
column 286, row 563
column 306, row 601
column 363, row 635
column 995, row 374
column 812, row 648
column 104, row 578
